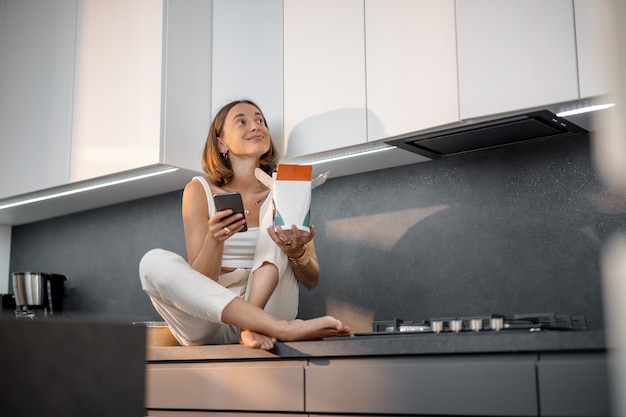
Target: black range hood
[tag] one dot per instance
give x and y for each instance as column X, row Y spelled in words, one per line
column 537, row 125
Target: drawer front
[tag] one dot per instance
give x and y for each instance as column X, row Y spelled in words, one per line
column 231, row 386
column 419, row 386
column 574, row 385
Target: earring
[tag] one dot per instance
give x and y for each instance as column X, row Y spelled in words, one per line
column 225, row 156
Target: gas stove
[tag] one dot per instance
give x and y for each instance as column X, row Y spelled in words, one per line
column 472, row 324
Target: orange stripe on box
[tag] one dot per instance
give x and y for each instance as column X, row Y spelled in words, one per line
column 288, row 172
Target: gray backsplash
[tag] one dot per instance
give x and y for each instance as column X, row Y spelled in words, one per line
column 511, row 230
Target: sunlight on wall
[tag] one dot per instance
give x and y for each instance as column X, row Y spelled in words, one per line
column 383, row 230
column 358, row 319
column 378, row 231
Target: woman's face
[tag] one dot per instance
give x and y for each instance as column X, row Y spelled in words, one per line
column 244, row 132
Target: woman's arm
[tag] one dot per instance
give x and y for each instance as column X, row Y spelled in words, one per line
column 306, row 266
column 301, row 253
column 204, row 250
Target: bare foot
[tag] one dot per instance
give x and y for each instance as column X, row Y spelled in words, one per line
column 314, row 329
column 255, row 340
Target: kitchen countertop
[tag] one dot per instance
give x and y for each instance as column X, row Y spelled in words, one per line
column 395, row 345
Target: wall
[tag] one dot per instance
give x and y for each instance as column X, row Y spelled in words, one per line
column 99, row 251
column 511, row 230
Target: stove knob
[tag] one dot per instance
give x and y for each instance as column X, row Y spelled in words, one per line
column 496, row 323
column 455, row 325
column 476, row 324
column 436, row 326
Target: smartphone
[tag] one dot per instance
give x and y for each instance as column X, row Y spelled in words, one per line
column 231, row 201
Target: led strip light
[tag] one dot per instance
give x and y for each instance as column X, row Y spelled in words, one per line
column 587, row 109
column 82, row 187
column 335, row 156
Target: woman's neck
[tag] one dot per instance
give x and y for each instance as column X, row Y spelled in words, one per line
column 244, row 179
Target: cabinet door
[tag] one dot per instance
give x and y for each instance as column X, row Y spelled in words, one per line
column 36, row 83
column 411, row 66
column 515, row 55
column 187, row 101
column 324, row 71
column 594, row 41
column 424, row 386
column 117, row 100
column 246, row 386
column 574, row 384
column 249, row 63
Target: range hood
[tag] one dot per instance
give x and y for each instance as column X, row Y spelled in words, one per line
column 496, row 132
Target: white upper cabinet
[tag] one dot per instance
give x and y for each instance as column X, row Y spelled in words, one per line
column 324, row 75
column 93, row 88
column 142, row 91
column 117, row 97
column 104, row 91
column 36, row 83
column 411, row 66
column 186, row 105
column 594, row 39
column 357, row 72
column 515, row 54
column 248, row 57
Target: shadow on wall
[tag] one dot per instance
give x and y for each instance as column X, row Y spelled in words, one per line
column 351, row 126
column 512, row 230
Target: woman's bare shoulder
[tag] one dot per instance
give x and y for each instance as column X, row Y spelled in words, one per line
column 194, row 197
column 193, row 186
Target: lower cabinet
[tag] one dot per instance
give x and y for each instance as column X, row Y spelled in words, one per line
column 573, row 385
column 241, row 386
column 447, row 386
column 555, row 384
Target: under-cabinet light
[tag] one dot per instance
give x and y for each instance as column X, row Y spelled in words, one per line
column 82, row 187
column 336, row 156
column 587, row 109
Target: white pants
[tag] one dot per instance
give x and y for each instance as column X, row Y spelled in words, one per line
column 192, row 303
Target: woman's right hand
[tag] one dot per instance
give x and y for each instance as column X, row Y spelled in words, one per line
column 223, row 224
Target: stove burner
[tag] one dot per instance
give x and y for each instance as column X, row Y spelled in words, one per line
column 493, row 322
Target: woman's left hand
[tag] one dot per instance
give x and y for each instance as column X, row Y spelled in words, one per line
column 294, row 246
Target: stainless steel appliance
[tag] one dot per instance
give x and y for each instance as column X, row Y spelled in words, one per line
column 38, row 293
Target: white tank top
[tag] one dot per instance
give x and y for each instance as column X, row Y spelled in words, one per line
column 239, row 248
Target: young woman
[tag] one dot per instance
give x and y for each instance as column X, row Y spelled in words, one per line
column 237, row 285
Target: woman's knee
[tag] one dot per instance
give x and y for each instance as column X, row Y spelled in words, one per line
column 150, row 265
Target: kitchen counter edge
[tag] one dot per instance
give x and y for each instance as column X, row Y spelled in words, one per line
column 394, row 345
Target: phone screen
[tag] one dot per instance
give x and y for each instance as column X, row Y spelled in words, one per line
column 231, row 201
